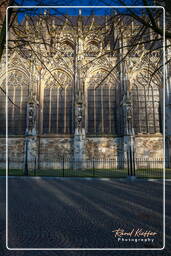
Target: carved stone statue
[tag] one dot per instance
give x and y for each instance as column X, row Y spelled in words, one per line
column 31, row 143
column 79, row 111
column 127, row 105
column 31, row 115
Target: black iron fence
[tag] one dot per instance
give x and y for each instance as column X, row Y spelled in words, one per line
column 69, row 167
column 64, row 166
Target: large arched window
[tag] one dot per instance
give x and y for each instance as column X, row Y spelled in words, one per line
column 101, row 100
column 57, row 104
column 146, row 105
column 18, row 85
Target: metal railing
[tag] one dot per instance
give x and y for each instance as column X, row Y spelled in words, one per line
column 66, row 166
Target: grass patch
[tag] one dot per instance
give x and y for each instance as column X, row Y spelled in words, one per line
column 12, row 172
column 110, row 173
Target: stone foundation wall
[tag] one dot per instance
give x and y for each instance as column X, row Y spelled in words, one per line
column 15, row 152
column 106, row 147
column 103, row 147
column 149, row 146
column 52, row 151
column 52, row 148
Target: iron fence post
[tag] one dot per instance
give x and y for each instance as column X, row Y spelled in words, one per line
column 93, row 169
column 8, row 166
column 63, row 163
column 134, row 165
column 26, row 158
column 35, row 166
column 128, row 162
column 131, row 167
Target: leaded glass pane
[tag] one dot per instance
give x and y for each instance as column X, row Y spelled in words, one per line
column 57, row 104
column 18, row 93
column 101, row 97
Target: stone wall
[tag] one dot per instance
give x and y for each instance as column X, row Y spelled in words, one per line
column 52, row 151
column 108, row 147
column 103, row 147
column 53, row 148
column 15, row 152
column 149, row 146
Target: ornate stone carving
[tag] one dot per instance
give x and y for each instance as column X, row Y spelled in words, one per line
column 58, row 78
column 32, row 109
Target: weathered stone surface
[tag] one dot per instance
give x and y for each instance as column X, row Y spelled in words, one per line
column 15, row 152
column 103, row 147
column 15, row 146
column 53, row 148
column 149, row 146
column 79, row 144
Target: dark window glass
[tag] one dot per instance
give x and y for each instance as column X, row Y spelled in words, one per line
column 18, row 93
column 57, row 106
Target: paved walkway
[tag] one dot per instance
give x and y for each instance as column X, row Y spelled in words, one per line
column 78, row 213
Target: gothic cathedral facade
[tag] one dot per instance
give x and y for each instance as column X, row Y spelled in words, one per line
column 71, row 92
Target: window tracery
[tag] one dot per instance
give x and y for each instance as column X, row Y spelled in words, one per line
column 92, row 49
column 101, row 100
column 146, row 105
column 57, row 104
column 18, row 86
column 67, row 49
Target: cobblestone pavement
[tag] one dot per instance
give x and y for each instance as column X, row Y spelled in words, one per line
column 81, row 213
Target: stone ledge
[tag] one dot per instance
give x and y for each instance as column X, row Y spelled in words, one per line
column 149, row 135
column 12, row 136
column 59, row 136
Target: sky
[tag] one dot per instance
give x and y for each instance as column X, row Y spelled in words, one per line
column 74, row 11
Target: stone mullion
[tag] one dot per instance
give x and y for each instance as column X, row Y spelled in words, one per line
column 65, row 90
column 40, row 114
column 49, row 127
column 73, row 104
column 13, row 107
column 138, row 100
column 102, row 109
column 95, row 110
column 41, row 106
column 154, row 118
column 76, row 84
column 124, row 82
column 146, row 112
column 57, row 110
column 115, row 112
column 154, row 112
column 21, row 103
column 110, row 115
